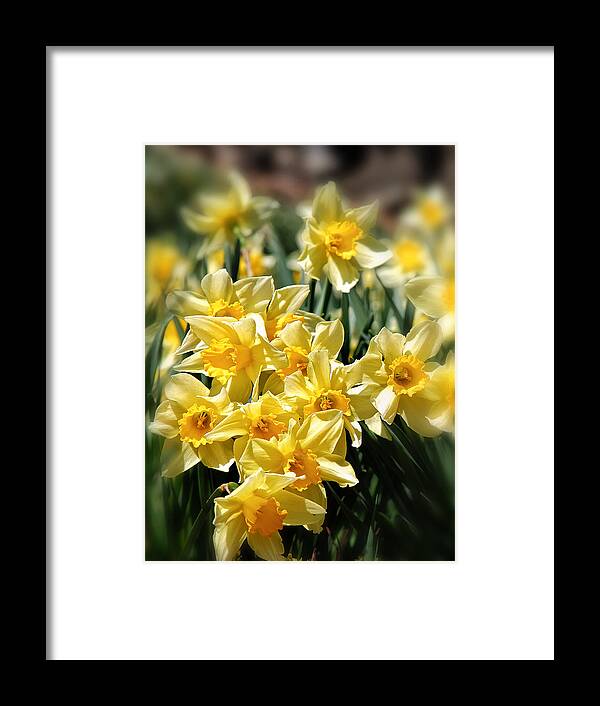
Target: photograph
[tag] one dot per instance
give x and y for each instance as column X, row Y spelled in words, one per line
column 299, row 353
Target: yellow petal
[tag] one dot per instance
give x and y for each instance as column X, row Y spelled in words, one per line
column 319, row 370
column 300, row 510
column 235, row 424
column 326, row 204
column 209, row 328
column 365, row 217
column 254, row 293
column 229, row 536
column 217, row 286
column 342, row 274
column 329, row 336
column 218, row 455
column 187, row 304
column 337, row 469
column 176, row 458
column 185, row 389
column 414, row 411
column 371, row 253
column 287, row 300
column 386, row 403
column 165, row 421
column 424, row 340
column 263, row 455
column 390, row 344
column 267, row 548
column 427, row 294
column 321, row 431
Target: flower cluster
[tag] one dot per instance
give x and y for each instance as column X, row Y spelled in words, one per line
column 261, row 381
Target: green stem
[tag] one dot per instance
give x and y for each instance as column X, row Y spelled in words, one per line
column 391, row 302
column 409, row 316
column 233, row 261
column 311, row 294
column 199, row 521
column 345, row 352
column 325, row 297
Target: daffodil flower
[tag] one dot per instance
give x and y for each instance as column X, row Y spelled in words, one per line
column 166, row 269
column 330, row 385
column 223, row 216
column 284, row 309
column 440, row 392
column 256, row 510
column 430, row 212
column 234, row 353
column 185, row 417
column 398, row 364
column 267, row 418
column 219, row 296
column 337, row 240
column 313, row 451
column 296, row 342
column 410, row 257
column 434, row 296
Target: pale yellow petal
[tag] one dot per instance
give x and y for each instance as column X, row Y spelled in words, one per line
column 295, row 335
column 319, row 370
column 365, row 217
column 185, row 389
column 390, row 344
column 176, row 458
column 424, row 340
column 229, row 536
column 235, row 424
column 414, row 411
column 342, row 274
column 337, row 469
column 371, row 253
column 209, row 328
column 187, row 304
column 267, row 548
column 300, row 510
column 326, row 205
column 263, row 455
column 288, row 300
column 427, row 294
column 218, row 455
column 329, row 336
column 254, row 293
column 165, row 421
column 218, row 286
column 386, row 403
column 321, row 431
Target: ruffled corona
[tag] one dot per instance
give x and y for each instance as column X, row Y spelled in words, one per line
column 406, row 375
column 194, row 424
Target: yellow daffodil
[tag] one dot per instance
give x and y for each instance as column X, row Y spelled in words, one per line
column 222, row 217
column 256, row 510
column 219, row 296
column 444, row 252
column 410, row 257
column 313, row 451
column 234, row 353
column 430, row 212
column 309, row 450
column 166, row 269
column 434, row 296
column 440, row 392
column 337, row 240
column 296, row 342
column 330, row 385
column 185, row 417
column 267, row 418
column 398, row 364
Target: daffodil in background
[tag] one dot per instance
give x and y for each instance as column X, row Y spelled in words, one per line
column 184, row 418
column 398, row 364
column 256, row 511
column 434, row 296
column 223, row 217
column 430, row 212
column 166, row 269
column 254, row 263
column 411, row 256
column 337, row 241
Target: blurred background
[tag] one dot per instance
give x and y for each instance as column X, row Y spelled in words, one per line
column 291, row 173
